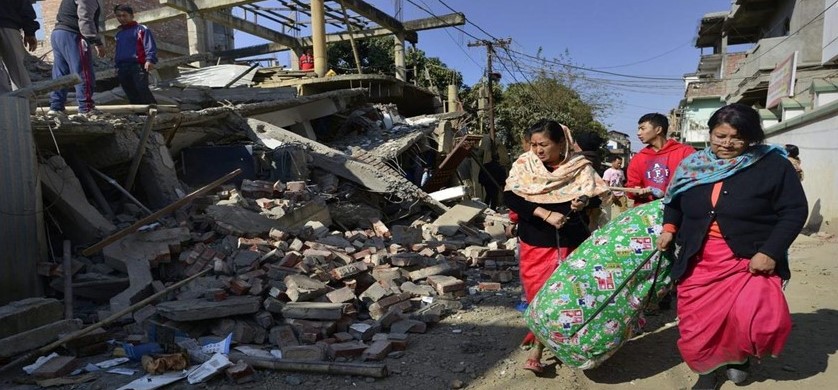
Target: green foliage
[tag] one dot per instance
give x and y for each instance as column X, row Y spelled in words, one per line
column 377, row 56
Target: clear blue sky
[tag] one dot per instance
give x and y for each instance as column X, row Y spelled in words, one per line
column 610, row 35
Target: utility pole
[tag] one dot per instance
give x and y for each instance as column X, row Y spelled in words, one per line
column 491, row 76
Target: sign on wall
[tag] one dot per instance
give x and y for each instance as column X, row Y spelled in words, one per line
column 781, row 81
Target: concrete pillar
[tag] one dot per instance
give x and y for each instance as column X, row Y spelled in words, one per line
column 196, row 30
column 452, row 98
column 318, row 36
column 21, row 206
column 398, row 54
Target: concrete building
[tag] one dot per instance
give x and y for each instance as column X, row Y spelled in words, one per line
column 172, row 34
column 773, row 31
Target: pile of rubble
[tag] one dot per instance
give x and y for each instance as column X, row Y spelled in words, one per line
column 275, row 278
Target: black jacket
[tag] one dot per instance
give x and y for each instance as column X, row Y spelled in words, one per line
column 534, row 231
column 760, row 209
column 80, row 17
column 18, row 15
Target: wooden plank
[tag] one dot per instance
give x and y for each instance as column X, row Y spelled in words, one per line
column 443, row 174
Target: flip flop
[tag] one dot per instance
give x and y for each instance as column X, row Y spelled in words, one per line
column 534, row 366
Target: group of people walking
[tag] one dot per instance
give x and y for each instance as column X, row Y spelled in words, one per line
column 74, row 41
column 733, row 209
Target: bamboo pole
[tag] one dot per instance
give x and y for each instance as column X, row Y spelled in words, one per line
column 375, row 370
column 159, row 213
column 138, row 155
column 113, row 317
column 46, row 86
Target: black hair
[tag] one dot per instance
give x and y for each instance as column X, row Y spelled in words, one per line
column 743, row 118
column 552, row 128
column 615, row 157
column 589, row 141
column 124, row 8
column 792, row 150
column 656, row 120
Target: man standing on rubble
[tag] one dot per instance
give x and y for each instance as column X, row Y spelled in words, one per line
column 74, row 39
column 136, row 55
column 16, row 15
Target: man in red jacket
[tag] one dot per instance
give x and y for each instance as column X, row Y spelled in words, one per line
column 652, row 168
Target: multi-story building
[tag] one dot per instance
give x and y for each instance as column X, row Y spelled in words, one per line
column 746, row 44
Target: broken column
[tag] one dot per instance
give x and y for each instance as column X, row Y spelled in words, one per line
column 81, row 221
column 21, row 232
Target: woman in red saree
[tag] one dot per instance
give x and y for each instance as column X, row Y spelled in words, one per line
column 733, row 209
column 546, row 188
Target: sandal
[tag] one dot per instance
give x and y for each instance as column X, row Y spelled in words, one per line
column 534, row 366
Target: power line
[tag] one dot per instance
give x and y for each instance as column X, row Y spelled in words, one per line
column 794, row 33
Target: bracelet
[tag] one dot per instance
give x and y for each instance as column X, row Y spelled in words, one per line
column 548, row 215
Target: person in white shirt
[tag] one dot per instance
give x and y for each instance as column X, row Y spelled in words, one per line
column 615, row 177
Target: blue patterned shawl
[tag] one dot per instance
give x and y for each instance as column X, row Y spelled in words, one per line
column 703, row 167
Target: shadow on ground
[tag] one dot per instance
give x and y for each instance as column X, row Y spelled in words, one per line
column 642, row 358
column 813, row 338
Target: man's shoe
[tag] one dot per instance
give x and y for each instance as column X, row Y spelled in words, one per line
column 706, row 382
column 56, row 113
column 738, row 373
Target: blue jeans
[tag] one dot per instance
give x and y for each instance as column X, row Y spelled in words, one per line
column 71, row 54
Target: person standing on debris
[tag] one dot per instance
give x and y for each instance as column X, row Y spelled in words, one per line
column 74, row 39
column 733, row 209
column 136, row 56
column 16, row 16
column 549, row 187
column 652, row 168
column 794, row 158
column 307, row 60
column 615, row 177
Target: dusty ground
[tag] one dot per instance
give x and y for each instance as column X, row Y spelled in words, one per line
column 478, row 348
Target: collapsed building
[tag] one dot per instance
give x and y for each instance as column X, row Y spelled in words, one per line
column 321, row 217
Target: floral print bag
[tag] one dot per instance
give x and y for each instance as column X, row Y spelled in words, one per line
column 593, row 301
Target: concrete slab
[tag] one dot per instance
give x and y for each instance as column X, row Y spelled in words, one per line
column 37, row 337
column 447, row 224
column 200, row 309
column 28, row 314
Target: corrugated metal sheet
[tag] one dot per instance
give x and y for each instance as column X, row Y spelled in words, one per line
column 20, row 203
column 216, row 76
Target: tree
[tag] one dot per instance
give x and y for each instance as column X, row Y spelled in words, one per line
column 377, row 56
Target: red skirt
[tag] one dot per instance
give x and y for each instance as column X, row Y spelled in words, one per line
column 537, row 264
column 728, row 314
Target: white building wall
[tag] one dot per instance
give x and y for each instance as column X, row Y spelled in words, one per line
column 830, row 32
column 818, row 143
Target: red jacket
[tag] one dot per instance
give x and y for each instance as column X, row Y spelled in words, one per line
column 651, row 168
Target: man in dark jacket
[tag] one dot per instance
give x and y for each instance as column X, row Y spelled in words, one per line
column 74, row 39
column 16, row 16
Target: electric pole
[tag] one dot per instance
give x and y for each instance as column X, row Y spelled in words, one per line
column 490, row 77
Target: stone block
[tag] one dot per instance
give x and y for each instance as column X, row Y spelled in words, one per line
column 240, row 372
column 439, row 269
column 273, row 305
column 405, row 326
column 406, row 259
column 348, row 270
column 264, row 319
column 56, row 367
column 417, row 290
column 36, row 337
column 448, row 223
column 378, row 350
column 283, row 336
column 445, row 284
column 29, row 313
column 374, row 293
column 304, row 288
column 341, row 295
column 349, row 349
column 199, row 309
column 314, row 310
column 304, row 352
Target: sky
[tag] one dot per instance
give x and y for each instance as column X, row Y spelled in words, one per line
column 650, row 38
column 647, row 38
